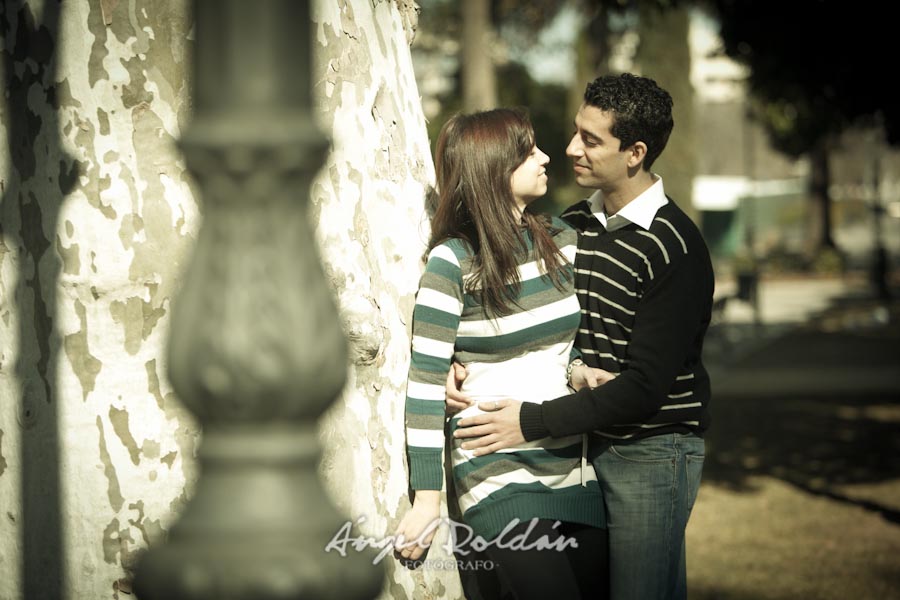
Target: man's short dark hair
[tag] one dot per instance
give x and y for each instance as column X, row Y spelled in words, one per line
column 641, row 110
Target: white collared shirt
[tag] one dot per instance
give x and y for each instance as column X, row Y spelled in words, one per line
column 641, row 211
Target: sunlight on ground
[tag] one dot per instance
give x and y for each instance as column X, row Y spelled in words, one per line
column 774, row 541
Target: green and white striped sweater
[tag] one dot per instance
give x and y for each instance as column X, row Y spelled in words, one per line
column 522, row 356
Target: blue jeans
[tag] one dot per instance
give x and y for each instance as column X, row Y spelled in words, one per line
column 649, row 487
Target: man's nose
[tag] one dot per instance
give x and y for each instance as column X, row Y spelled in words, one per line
column 574, row 148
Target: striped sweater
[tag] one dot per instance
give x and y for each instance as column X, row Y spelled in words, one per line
column 646, row 298
column 522, row 355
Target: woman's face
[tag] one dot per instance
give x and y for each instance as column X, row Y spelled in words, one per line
column 529, row 180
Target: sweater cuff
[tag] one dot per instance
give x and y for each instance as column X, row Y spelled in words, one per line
column 531, row 422
column 425, row 469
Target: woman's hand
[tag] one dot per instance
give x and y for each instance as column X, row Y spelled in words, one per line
column 418, row 526
column 585, row 376
column 455, row 399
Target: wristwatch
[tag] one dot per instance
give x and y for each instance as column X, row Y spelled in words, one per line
column 575, row 363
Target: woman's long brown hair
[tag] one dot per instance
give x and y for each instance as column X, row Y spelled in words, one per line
column 476, row 155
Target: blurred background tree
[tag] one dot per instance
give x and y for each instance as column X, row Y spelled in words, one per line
column 816, row 69
column 498, row 43
column 811, row 73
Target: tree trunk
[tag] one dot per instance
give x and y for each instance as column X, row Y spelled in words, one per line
column 821, row 237
column 98, row 219
column 664, row 55
column 372, row 227
column 479, row 82
column 591, row 50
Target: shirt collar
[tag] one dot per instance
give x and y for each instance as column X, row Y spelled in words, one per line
column 641, row 211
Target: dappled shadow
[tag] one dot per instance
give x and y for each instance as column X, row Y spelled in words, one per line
column 814, row 438
column 29, row 68
column 814, row 443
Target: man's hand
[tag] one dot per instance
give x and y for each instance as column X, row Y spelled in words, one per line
column 456, row 400
column 585, row 376
column 493, row 430
column 419, row 522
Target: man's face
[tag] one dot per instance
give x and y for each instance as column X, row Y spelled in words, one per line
column 599, row 162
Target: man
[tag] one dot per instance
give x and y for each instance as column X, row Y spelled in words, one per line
column 645, row 283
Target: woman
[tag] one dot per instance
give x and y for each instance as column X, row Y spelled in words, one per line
column 497, row 295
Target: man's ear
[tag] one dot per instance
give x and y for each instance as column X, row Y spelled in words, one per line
column 636, row 154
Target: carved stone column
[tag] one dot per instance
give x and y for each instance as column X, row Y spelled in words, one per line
column 256, row 349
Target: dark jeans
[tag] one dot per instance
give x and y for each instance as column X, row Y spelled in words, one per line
column 649, row 488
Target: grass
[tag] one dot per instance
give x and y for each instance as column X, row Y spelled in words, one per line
column 773, row 541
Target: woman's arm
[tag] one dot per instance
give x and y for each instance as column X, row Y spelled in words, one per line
column 436, row 317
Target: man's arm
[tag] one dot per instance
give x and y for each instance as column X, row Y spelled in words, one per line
column 503, row 427
column 494, row 430
column 669, row 320
column 668, row 323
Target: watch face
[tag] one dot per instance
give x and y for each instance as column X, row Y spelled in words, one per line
column 575, row 363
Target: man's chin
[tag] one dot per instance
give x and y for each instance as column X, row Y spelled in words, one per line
column 583, row 180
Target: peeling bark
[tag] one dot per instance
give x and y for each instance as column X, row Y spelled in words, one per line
column 98, row 217
column 369, row 203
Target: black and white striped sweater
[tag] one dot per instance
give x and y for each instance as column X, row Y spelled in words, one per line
column 646, row 300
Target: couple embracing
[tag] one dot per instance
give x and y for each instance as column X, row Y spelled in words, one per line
column 574, row 351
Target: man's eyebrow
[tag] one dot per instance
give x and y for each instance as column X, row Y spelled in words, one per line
column 585, row 132
column 589, row 133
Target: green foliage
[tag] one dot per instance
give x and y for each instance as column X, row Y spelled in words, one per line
column 827, row 261
column 531, row 16
column 552, row 124
column 546, row 105
column 780, row 260
column 549, row 106
column 816, row 66
column 744, row 262
column 438, row 15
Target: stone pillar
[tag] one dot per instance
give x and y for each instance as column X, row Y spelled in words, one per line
column 256, row 350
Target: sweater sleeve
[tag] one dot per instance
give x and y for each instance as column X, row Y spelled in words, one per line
column 667, row 324
column 436, row 317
